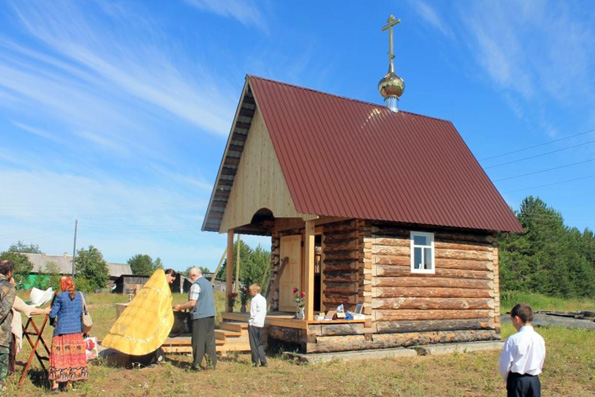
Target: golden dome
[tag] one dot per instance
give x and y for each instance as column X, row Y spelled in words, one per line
column 391, row 85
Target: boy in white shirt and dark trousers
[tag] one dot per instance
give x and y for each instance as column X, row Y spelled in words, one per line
column 258, row 312
column 523, row 355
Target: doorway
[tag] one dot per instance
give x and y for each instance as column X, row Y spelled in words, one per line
column 318, row 273
column 291, row 248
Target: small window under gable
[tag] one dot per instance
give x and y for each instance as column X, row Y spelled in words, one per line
column 422, row 252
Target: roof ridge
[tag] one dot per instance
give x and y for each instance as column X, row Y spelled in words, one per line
column 341, row 97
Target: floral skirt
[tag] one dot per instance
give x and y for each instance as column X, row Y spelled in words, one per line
column 67, row 359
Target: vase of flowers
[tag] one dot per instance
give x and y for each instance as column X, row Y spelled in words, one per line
column 299, row 299
column 244, row 299
column 231, row 301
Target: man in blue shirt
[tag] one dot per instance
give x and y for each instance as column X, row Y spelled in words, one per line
column 202, row 311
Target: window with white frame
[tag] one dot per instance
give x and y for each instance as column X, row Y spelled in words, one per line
column 422, row 252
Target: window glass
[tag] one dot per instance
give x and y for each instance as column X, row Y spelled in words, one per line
column 422, row 252
column 417, row 258
column 419, row 240
column 427, row 258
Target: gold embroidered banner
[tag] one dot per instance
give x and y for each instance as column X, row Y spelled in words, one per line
column 145, row 324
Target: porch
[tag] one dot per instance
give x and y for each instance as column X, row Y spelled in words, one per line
column 285, row 320
column 311, row 335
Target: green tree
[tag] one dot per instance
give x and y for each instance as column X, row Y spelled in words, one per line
column 256, row 269
column 141, row 264
column 245, row 256
column 254, row 264
column 91, row 269
column 203, row 269
column 548, row 257
column 48, row 277
column 53, row 271
column 144, row 265
column 22, row 265
column 25, row 249
column 157, row 264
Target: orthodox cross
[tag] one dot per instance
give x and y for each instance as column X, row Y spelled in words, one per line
column 391, row 21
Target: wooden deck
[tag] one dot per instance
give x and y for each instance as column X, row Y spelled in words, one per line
column 231, row 336
column 282, row 319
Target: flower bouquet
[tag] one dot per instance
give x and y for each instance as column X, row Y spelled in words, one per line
column 299, row 299
column 231, row 301
column 244, row 295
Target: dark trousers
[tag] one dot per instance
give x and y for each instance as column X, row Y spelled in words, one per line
column 203, row 341
column 4, row 353
column 518, row 385
column 12, row 356
column 256, row 347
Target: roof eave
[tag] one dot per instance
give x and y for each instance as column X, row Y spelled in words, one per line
column 234, row 127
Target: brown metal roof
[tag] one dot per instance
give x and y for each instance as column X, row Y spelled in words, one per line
column 348, row 158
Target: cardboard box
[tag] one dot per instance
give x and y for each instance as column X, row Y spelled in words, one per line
column 339, row 316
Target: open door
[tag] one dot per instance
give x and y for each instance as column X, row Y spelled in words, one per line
column 291, row 248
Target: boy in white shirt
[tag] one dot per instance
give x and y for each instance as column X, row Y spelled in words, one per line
column 258, row 312
column 523, row 355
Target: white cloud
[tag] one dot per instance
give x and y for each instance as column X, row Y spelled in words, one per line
column 245, row 11
column 539, row 55
column 112, row 214
column 123, row 60
column 37, row 131
column 431, row 16
column 500, row 50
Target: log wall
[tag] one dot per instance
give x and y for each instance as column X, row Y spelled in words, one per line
column 369, row 263
column 462, row 294
column 326, row 344
column 342, row 278
column 272, row 288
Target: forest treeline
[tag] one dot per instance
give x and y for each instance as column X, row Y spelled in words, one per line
column 549, row 258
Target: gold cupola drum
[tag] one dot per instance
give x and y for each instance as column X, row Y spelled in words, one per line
column 391, row 86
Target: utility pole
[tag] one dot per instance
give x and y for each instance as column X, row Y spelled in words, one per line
column 76, row 222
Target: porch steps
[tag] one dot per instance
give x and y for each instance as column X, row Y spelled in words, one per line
column 231, row 336
column 234, row 335
column 233, row 326
column 183, row 344
column 234, row 332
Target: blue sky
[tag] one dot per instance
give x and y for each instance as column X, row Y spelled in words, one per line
column 116, row 113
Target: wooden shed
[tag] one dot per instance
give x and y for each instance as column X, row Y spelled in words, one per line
column 364, row 206
column 129, row 283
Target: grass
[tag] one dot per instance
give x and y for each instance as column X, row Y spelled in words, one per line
column 540, row 302
column 569, row 370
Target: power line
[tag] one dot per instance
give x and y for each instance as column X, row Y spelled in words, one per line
column 539, row 155
column 551, row 184
column 538, row 145
column 545, row 170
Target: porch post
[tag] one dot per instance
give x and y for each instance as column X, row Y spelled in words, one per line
column 237, row 284
column 229, row 265
column 309, row 273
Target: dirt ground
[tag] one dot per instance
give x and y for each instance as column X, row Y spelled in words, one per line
column 545, row 320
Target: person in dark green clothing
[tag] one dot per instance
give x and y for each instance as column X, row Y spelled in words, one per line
column 7, row 295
